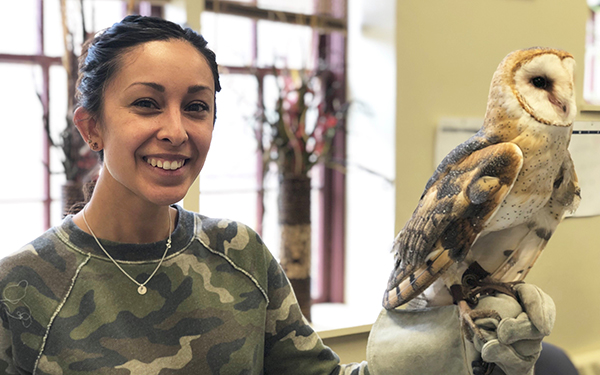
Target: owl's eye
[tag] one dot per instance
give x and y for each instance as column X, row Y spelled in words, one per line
column 539, row 82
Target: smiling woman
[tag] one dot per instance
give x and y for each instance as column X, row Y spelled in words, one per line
column 159, row 106
column 134, row 282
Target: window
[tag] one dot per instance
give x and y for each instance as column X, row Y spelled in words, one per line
column 230, row 184
column 34, row 87
column 25, row 73
column 283, row 37
column 591, row 88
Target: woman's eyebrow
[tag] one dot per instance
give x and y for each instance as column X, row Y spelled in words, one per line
column 152, row 85
column 160, row 88
column 196, row 88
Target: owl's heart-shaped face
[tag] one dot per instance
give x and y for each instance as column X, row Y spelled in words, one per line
column 544, row 87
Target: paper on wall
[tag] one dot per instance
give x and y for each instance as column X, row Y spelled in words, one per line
column 584, row 148
column 585, row 151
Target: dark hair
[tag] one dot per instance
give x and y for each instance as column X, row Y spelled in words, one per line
column 101, row 55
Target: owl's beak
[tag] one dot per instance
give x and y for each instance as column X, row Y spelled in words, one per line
column 561, row 107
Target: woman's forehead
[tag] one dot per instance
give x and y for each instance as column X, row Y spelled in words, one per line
column 166, row 63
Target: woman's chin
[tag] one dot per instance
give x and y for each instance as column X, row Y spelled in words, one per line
column 166, row 198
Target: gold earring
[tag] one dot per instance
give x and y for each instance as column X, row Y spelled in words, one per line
column 93, row 145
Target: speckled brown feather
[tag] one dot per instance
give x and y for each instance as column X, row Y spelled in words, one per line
column 451, row 213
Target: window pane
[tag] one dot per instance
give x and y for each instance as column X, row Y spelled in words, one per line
column 53, row 34
column 228, row 180
column 175, row 13
column 591, row 87
column 285, row 46
column 20, row 223
column 58, row 114
column 22, row 129
column 230, row 37
column 56, row 212
column 18, row 27
column 99, row 14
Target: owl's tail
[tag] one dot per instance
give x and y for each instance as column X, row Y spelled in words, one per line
column 410, row 284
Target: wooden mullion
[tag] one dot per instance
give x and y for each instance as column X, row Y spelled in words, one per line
column 332, row 52
column 322, row 22
column 45, row 98
column 30, row 59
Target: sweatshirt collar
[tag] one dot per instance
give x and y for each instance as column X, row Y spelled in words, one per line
column 181, row 237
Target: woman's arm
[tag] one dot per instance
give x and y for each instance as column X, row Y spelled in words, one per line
column 291, row 345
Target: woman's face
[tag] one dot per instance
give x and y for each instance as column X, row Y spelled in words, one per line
column 157, row 122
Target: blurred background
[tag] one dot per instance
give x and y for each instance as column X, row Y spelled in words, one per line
column 389, row 71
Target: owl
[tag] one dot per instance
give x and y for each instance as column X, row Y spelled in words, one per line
column 494, row 201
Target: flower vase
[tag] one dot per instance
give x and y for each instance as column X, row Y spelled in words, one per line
column 295, row 248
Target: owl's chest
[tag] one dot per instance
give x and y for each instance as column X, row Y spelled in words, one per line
column 543, row 155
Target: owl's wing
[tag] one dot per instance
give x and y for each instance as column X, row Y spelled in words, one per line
column 453, row 210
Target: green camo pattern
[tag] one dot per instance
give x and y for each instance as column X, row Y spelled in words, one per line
column 219, row 304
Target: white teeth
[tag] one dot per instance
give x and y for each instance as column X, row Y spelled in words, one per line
column 166, row 165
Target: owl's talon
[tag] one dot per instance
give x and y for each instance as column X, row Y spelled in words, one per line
column 478, row 314
column 482, row 368
column 468, row 317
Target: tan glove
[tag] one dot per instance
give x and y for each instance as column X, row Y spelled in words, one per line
column 431, row 341
column 515, row 342
column 424, row 342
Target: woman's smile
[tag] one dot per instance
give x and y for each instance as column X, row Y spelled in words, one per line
column 167, row 163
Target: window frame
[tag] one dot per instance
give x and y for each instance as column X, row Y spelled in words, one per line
column 45, row 62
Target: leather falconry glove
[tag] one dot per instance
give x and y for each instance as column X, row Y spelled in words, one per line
column 431, row 341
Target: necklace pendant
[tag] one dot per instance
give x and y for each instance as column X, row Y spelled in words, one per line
column 142, row 290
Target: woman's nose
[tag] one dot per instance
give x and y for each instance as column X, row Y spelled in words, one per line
column 172, row 128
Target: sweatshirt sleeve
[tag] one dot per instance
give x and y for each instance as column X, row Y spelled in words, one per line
column 291, row 345
column 6, row 360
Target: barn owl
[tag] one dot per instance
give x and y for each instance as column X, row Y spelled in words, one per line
column 493, row 203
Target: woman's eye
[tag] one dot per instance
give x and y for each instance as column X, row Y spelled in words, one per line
column 196, row 107
column 145, row 103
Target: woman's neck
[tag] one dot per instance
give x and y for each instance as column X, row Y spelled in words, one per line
column 125, row 219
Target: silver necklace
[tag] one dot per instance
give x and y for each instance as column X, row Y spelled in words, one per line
column 141, row 286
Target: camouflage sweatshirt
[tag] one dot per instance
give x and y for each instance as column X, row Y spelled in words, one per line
column 219, row 304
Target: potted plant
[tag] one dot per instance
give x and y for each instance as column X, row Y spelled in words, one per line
column 296, row 135
column 78, row 160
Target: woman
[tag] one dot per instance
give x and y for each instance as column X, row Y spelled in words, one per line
column 133, row 284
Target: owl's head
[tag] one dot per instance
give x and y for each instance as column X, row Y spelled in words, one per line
column 539, row 81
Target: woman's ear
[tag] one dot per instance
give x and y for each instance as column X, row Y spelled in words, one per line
column 88, row 128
